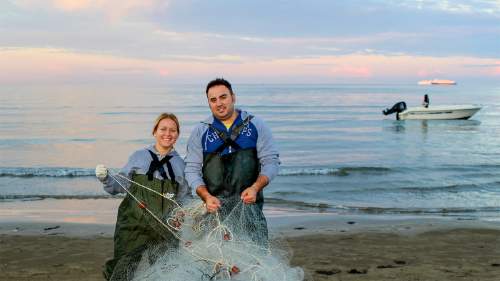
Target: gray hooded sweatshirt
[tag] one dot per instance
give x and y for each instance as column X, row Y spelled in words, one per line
column 138, row 163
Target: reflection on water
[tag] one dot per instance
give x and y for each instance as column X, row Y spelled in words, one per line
column 324, row 127
column 400, row 126
column 397, row 126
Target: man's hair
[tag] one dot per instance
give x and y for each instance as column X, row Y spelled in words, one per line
column 218, row 82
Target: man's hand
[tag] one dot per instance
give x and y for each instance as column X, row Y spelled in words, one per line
column 249, row 195
column 212, row 203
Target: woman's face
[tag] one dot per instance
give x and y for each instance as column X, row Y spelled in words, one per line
column 166, row 134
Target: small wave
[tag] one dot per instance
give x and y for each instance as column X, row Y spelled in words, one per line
column 343, row 171
column 83, row 140
column 325, row 207
column 297, row 204
column 88, row 172
column 428, row 211
column 36, row 197
column 45, row 172
column 452, row 188
column 468, row 168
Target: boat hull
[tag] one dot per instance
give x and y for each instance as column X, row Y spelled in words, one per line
column 439, row 113
column 437, row 82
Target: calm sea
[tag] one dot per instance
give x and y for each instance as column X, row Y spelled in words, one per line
column 338, row 152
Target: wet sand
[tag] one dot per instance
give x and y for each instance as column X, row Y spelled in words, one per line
column 457, row 254
column 413, row 252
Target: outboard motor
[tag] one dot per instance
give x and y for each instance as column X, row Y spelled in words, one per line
column 397, row 108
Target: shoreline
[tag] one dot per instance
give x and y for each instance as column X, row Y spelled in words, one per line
column 68, row 245
column 441, row 251
column 97, row 217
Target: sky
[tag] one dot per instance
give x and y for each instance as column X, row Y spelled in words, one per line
column 153, row 42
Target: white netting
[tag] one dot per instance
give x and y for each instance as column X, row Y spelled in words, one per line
column 229, row 244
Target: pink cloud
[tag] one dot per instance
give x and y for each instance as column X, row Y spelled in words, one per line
column 40, row 65
column 163, row 72
column 426, row 73
column 496, row 70
column 72, row 5
column 352, row 71
column 114, row 10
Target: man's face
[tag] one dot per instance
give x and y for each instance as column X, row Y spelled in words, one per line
column 221, row 102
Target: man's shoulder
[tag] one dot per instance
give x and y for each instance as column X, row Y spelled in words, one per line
column 199, row 129
column 253, row 118
column 258, row 122
column 201, row 126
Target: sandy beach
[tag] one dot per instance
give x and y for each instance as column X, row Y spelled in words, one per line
column 327, row 247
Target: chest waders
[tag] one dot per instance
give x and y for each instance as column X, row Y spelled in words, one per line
column 227, row 176
column 135, row 228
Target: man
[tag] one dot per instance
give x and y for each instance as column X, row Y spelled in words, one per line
column 425, row 103
column 232, row 153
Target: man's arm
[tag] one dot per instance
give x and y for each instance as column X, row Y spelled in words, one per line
column 194, row 160
column 267, row 152
column 193, row 170
column 269, row 162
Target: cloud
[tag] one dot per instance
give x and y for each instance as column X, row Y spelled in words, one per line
column 489, row 7
column 428, row 73
column 352, row 71
column 50, row 65
column 114, row 10
column 134, row 39
column 496, row 71
column 161, row 29
column 72, row 5
column 27, row 65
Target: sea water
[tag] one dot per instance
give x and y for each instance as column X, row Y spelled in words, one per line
column 338, row 152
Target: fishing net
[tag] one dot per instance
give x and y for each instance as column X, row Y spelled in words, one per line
column 230, row 244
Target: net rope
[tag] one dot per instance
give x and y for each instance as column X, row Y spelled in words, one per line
column 229, row 244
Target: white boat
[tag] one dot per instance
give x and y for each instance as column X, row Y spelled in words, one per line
column 442, row 112
column 437, row 82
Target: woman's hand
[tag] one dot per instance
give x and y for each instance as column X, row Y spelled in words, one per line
column 101, row 172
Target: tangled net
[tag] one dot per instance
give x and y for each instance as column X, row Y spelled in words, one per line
column 230, row 244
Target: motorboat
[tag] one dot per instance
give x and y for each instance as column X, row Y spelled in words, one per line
column 437, row 82
column 442, row 112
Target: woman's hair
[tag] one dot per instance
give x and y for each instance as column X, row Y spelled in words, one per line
column 166, row 115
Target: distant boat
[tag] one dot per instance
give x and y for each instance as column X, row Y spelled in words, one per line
column 437, row 82
column 443, row 112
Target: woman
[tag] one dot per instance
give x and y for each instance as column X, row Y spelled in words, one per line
column 158, row 167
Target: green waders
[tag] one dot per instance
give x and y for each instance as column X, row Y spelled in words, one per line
column 136, row 229
column 226, row 176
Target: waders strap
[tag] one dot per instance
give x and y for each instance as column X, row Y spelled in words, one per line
column 230, row 140
column 158, row 165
